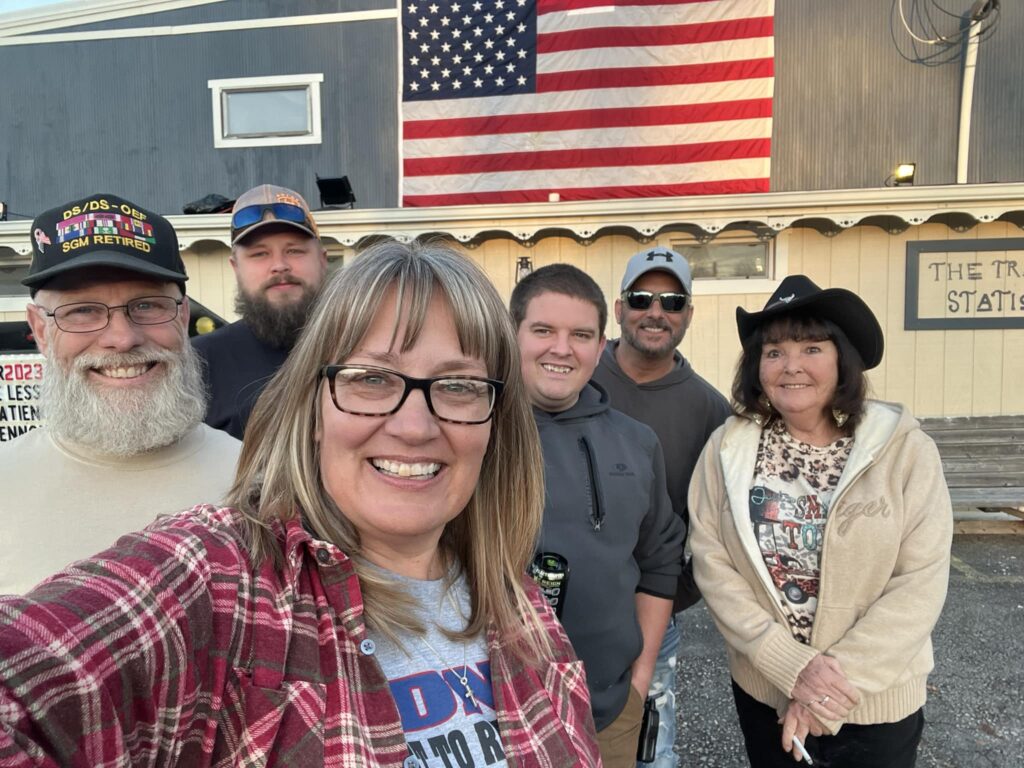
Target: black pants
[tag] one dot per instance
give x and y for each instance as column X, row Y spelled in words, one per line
column 885, row 745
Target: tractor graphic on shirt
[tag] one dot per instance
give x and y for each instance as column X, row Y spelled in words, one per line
column 788, row 532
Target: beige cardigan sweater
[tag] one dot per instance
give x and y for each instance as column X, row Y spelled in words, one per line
column 884, row 566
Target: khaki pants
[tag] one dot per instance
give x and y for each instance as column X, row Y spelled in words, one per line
column 618, row 741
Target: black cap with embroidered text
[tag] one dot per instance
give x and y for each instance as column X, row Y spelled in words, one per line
column 842, row 307
column 103, row 230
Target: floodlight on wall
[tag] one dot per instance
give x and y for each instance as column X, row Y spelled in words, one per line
column 335, row 192
column 904, row 174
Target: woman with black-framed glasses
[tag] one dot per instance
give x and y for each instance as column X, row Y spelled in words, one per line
column 363, row 601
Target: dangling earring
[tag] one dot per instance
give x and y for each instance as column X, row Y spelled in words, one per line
column 839, row 417
column 763, row 420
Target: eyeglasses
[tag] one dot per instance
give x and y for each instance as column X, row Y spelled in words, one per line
column 365, row 390
column 670, row 302
column 252, row 214
column 87, row 316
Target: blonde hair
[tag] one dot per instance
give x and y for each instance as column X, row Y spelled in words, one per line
column 279, row 469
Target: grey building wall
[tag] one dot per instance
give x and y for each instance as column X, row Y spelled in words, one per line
column 133, row 116
column 234, row 10
column 854, row 96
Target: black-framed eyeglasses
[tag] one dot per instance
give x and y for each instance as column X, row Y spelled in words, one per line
column 88, row 316
column 282, row 212
column 671, row 301
column 365, row 390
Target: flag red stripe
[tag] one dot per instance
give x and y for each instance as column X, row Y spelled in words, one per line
column 552, row 6
column 581, row 119
column 730, row 187
column 673, row 154
column 675, row 34
column 640, row 77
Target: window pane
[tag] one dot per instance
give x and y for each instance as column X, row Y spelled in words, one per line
column 726, row 260
column 278, row 112
column 11, row 276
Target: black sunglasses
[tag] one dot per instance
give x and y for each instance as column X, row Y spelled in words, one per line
column 670, row 302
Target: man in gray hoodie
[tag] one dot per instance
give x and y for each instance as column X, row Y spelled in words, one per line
column 647, row 378
column 607, row 513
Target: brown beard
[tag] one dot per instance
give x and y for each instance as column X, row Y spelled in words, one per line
column 278, row 327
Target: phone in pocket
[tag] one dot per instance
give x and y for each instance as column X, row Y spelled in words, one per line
column 648, row 743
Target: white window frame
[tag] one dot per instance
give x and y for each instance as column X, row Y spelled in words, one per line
column 778, row 256
column 310, row 81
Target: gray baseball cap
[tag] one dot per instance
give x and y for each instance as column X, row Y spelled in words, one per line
column 661, row 258
column 269, row 204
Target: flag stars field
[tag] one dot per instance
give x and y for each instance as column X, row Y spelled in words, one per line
column 641, row 99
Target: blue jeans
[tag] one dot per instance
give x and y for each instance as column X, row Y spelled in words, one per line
column 663, row 689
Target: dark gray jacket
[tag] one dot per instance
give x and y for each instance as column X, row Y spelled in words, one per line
column 237, row 367
column 608, row 513
column 683, row 410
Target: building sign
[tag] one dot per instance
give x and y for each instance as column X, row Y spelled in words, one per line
column 21, row 377
column 965, row 284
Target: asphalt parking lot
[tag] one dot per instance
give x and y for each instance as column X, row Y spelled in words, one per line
column 975, row 710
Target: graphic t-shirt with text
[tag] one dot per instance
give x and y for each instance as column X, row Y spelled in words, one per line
column 789, row 505
column 445, row 725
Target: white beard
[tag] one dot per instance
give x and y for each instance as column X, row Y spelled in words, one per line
column 124, row 421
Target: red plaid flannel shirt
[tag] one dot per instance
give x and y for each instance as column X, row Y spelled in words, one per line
column 170, row 650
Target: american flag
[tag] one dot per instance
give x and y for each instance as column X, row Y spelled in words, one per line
column 509, row 101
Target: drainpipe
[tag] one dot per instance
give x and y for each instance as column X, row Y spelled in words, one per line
column 979, row 11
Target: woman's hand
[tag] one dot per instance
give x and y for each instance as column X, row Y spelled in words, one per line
column 824, row 690
column 799, row 722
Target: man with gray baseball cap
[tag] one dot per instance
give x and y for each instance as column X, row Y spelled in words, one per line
column 279, row 264
column 121, row 392
column 647, row 378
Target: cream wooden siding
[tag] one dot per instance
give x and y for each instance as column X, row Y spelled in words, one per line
column 211, row 280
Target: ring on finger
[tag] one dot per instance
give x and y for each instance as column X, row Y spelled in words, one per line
column 824, row 699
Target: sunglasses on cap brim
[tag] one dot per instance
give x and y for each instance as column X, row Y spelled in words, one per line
column 670, row 301
column 253, row 214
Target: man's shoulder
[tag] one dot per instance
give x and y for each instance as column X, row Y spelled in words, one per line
column 229, row 334
column 31, row 444
column 701, row 385
column 218, row 439
column 215, row 445
column 627, row 428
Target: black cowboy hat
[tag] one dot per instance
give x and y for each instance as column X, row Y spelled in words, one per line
column 842, row 307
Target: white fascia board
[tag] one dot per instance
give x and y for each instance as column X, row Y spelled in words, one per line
column 195, row 29
column 645, row 217
column 76, row 13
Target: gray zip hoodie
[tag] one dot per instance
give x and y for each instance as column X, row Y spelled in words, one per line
column 608, row 513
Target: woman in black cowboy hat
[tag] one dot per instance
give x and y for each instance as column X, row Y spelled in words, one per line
column 821, row 529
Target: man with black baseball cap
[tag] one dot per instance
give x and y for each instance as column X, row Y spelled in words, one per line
column 647, row 378
column 122, row 397
column 279, row 265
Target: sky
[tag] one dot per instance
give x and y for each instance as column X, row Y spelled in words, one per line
column 18, row 5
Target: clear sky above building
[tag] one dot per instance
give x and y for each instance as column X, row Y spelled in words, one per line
column 7, row 6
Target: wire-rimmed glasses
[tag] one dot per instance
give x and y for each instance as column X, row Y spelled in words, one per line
column 88, row 316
